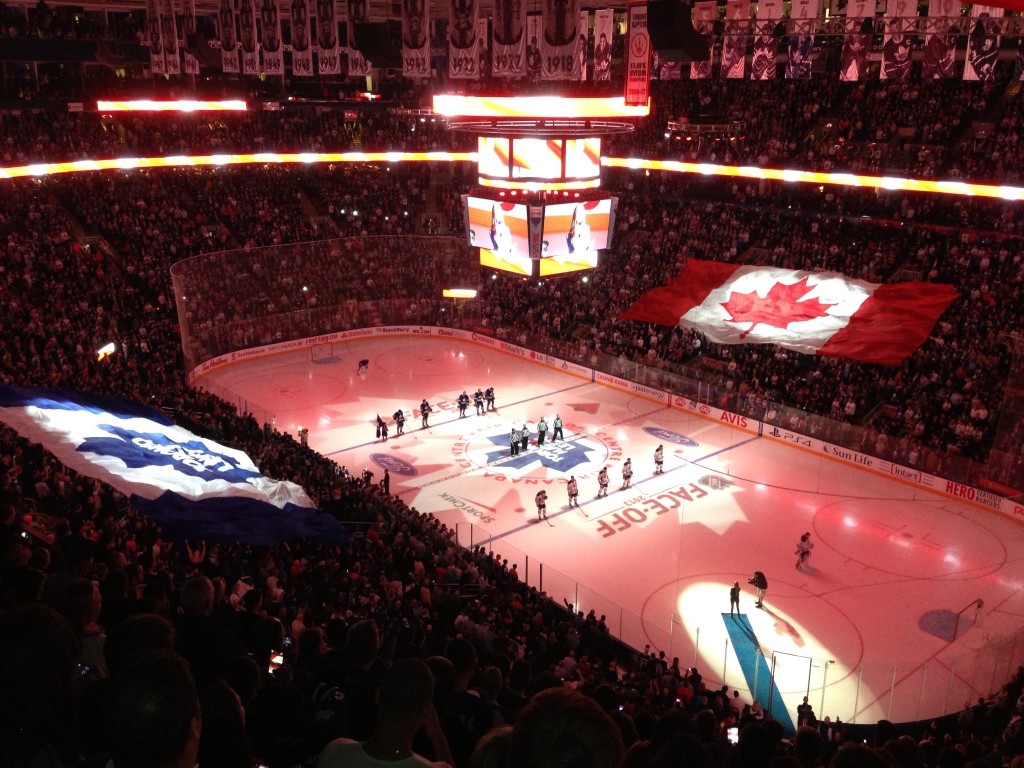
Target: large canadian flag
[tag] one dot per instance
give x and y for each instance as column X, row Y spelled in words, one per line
column 818, row 313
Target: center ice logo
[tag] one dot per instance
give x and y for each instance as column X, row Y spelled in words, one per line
column 560, row 456
column 139, row 450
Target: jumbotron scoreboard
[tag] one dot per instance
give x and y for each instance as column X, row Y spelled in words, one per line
column 538, row 209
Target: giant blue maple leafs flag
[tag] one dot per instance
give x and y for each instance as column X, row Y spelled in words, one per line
column 818, row 313
column 190, row 486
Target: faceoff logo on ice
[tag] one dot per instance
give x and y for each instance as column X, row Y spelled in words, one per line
column 563, row 457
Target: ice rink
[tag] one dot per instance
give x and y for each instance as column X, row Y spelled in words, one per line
column 885, row 621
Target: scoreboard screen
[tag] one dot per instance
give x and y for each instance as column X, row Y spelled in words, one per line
column 538, row 163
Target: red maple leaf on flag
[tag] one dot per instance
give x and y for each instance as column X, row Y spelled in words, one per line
column 779, row 308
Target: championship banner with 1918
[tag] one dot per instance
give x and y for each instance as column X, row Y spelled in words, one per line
column 559, row 60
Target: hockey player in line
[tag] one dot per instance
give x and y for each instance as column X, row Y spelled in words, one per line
column 627, row 473
column 573, row 489
column 659, row 460
column 542, row 504
column 602, row 482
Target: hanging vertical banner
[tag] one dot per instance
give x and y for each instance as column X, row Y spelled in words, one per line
column 415, row 38
column 804, row 17
column 188, row 18
column 483, row 52
column 603, row 20
column 302, row 49
column 582, row 33
column 508, row 42
column 734, row 44
column 328, row 56
column 228, row 37
column 155, row 34
column 249, row 40
column 169, row 31
column 358, row 65
column 533, row 65
column 941, row 28
column 270, row 38
column 983, row 43
column 463, row 63
column 188, row 27
column 638, row 54
column 558, row 48
column 765, row 56
column 704, row 14
column 853, row 61
column 897, row 45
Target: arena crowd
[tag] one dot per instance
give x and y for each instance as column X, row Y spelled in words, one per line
column 399, row 638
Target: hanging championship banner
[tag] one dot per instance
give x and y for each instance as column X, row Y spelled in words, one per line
column 941, row 28
column 358, row 65
column 558, row 47
column 155, row 34
column 638, row 54
column 704, row 14
column 533, row 32
column 328, row 55
column 249, row 40
column 853, row 62
column 228, row 37
column 603, row 20
column 983, row 43
column 169, row 30
column 734, row 44
column 462, row 47
column 302, row 49
column 764, row 57
column 415, row 38
column 270, row 38
column 804, row 15
column 897, row 45
column 582, row 32
column 508, row 42
column 188, row 18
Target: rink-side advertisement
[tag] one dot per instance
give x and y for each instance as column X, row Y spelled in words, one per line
column 909, row 475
